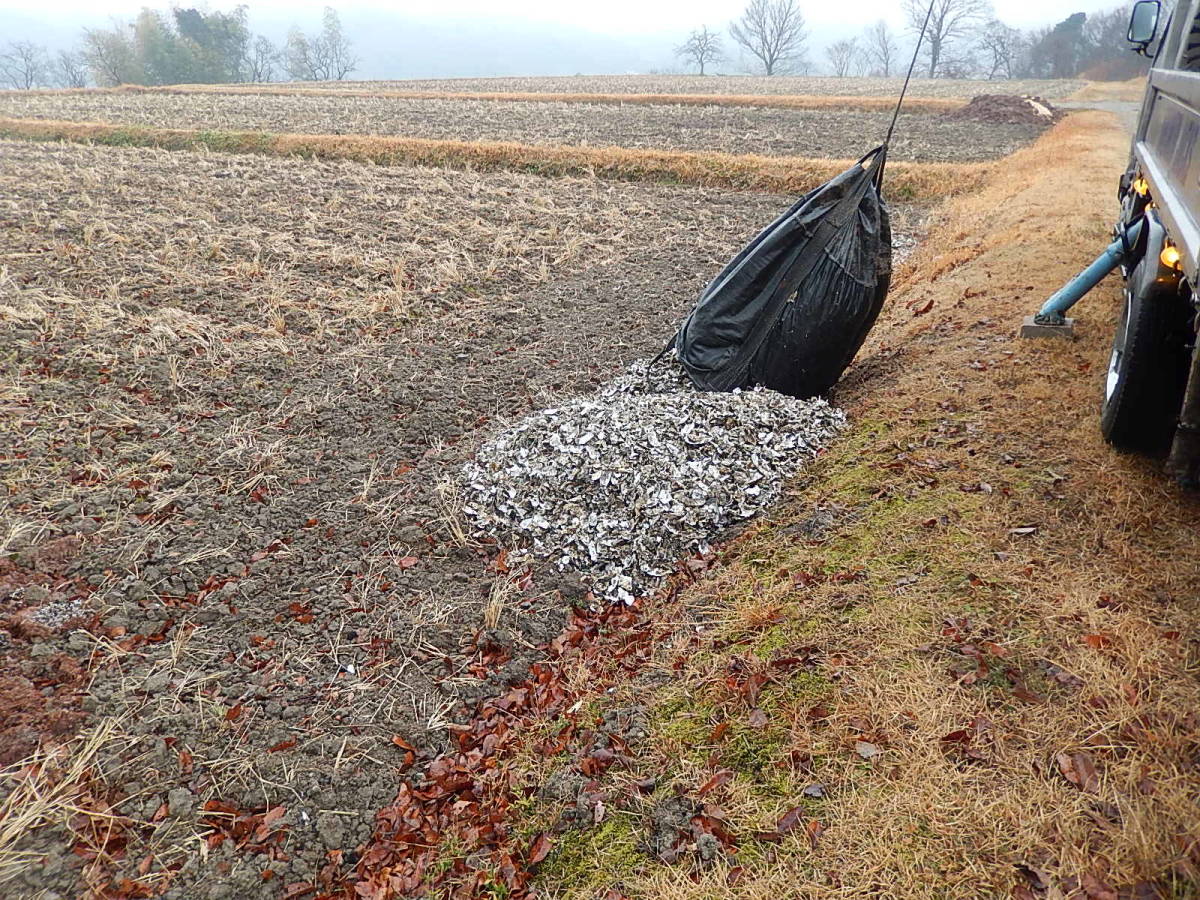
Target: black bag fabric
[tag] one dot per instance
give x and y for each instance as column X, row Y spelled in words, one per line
column 792, row 308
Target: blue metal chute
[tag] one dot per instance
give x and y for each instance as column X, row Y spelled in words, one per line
column 1070, row 293
column 1052, row 316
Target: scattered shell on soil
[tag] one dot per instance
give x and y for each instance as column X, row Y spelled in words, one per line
column 618, row 486
column 58, row 612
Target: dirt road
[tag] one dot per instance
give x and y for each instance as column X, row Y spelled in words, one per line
column 1126, row 111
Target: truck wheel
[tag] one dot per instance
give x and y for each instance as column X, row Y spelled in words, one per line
column 1147, row 372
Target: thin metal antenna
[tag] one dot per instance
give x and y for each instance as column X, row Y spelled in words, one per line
column 912, row 65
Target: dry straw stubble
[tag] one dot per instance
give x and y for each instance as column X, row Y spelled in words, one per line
column 910, row 181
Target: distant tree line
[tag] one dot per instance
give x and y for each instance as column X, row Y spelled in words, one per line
column 182, row 46
column 963, row 39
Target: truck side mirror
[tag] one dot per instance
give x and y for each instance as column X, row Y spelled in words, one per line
column 1143, row 23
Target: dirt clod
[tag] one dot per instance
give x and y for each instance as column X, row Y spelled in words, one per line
column 669, row 821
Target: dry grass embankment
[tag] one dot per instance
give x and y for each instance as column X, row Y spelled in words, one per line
column 961, row 660
column 924, row 181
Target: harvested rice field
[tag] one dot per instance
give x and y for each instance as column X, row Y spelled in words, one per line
column 724, row 84
column 255, row 642
column 832, row 133
column 237, row 392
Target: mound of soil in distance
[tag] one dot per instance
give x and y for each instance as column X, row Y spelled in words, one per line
column 1005, row 109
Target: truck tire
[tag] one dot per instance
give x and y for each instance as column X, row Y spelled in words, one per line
column 1147, row 371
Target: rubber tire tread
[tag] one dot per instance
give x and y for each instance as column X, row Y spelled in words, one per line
column 1143, row 411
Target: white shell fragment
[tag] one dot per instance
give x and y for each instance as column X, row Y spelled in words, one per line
column 620, row 485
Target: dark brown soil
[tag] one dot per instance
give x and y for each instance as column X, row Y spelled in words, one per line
column 243, row 381
column 1005, row 109
column 40, row 691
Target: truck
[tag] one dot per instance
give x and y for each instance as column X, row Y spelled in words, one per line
column 1151, row 400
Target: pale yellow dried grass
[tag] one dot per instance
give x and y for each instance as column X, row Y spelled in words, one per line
column 1130, row 90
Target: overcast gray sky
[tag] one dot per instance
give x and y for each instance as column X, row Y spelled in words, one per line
column 613, row 16
column 437, row 38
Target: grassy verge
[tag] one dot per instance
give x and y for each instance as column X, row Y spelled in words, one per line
column 961, row 660
column 907, row 181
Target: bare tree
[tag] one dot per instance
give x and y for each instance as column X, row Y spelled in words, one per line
column 69, row 69
column 1061, row 51
column 701, row 48
column 880, row 48
column 110, row 55
column 1106, row 55
column 843, row 55
column 299, row 57
column 24, row 65
column 1002, row 46
column 773, row 32
column 340, row 58
column 1105, row 32
column 963, row 62
column 327, row 57
column 951, row 23
column 261, row 60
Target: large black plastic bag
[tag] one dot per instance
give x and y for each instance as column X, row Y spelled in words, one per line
column 792, row 308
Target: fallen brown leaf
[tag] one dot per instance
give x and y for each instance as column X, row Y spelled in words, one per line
column 1079, row 769
column 540, row 849
column 720, row 778
column 790, row 819
column 273, row 814
column 815, row 830
column 1097, row 888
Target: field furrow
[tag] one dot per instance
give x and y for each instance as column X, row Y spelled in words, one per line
column 907, row 181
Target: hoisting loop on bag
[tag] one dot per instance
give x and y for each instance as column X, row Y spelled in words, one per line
column 793, row 307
